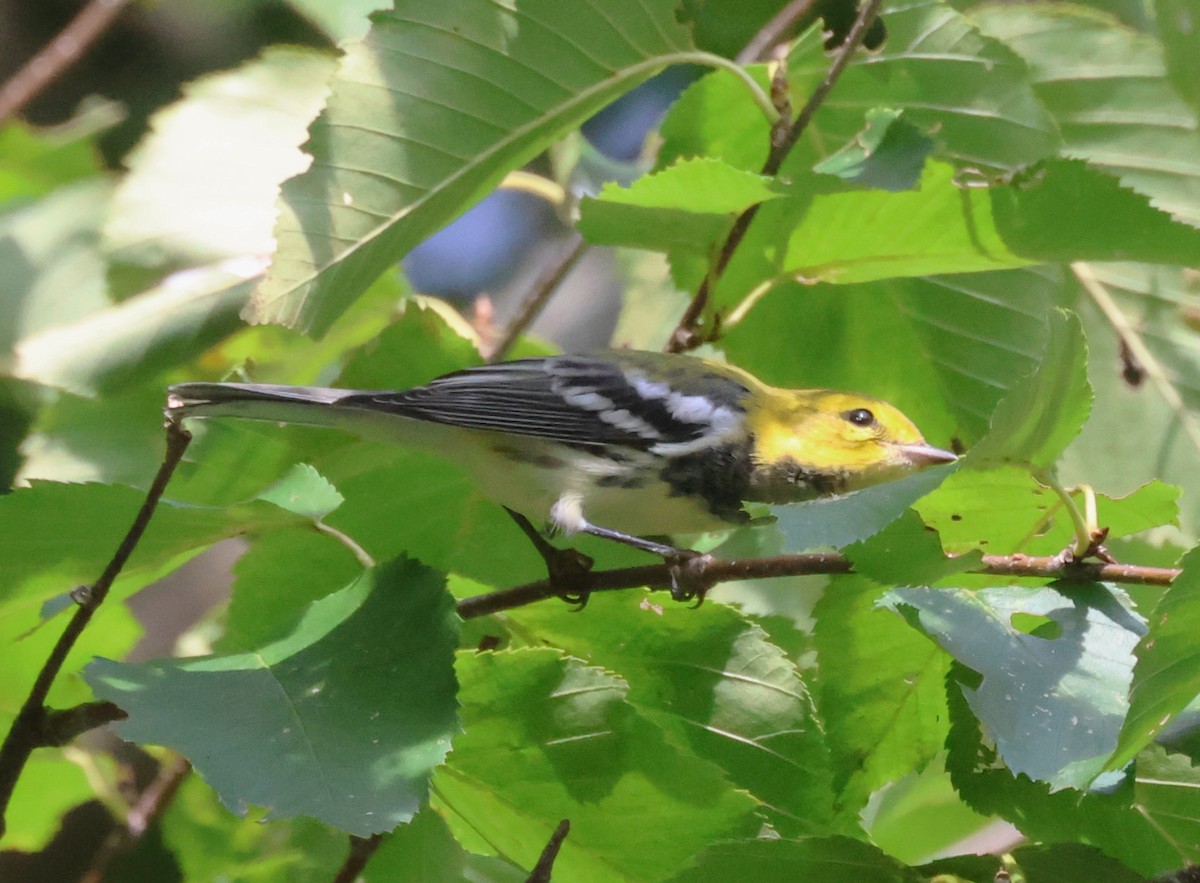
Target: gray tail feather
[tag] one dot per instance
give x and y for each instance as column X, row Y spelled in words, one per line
column 310, row 405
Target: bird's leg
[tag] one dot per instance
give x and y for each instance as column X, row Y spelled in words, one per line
column 565, row 568
column 686, row 565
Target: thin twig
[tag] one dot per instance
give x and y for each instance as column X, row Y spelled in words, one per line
column 539, row 295
column 153, row 802
column 29, row 729
column 658, row 576
column 58, row 55
column 361, row 850
column 685, row 336
column 773, row 31
column 545, row 865
column 1134, row 342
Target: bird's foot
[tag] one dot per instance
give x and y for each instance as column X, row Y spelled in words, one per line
column 688, row 578
column 566, row 569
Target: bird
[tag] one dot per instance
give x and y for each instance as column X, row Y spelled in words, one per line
column 620, row 444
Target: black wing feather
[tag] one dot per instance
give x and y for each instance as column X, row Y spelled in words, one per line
column 559, row 398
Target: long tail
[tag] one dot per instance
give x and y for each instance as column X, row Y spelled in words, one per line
column 308, row 405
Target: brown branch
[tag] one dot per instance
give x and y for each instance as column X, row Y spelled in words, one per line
column 149, row 808
column 58, row 55
column 685, row 336
column 29, row 729
column 659, row 576
column 361, row 850
column 60, row 727
column 545, row 865
column 773, row 31
column 539, row 295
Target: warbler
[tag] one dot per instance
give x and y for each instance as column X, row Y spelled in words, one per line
column 618, row 444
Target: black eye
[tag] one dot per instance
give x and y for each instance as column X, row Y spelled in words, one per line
column 860, row 417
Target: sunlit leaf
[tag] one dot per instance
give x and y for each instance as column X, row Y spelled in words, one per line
column 343, row 720
column 427, row 114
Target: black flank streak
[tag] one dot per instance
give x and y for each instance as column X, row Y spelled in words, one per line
column 721, row 476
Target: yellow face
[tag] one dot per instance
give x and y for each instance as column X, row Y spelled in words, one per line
column 856, row 440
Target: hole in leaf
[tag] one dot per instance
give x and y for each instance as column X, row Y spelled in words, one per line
column 1036, row 625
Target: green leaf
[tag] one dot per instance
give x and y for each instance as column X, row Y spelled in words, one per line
column 547, row 738
column 920, row 814
column 687, row 206
column 1005, row 511
column 1155, row 387
column 54, row 272
column 1167, row 785
column 425, row 851
column 304, row 491
column 1037, row 419
column 37, row 564
column 813, row 860
column 1037, row 687
column 981, row 333
column 1181, row 43
column 427, row 114
column 1167, row 674
column 889, row 154
column 1040, row 863
column 1107, row 87
column 50, row 785
column 211, row 843
column 955, row 344
column 712, row 118
column 119, row 345
column 237, row 133
column 716, row 684
column 880, row 691
column 35, row 162
column 1120, row 819
column 906, row 552
column 968, row 91
column 346, row 20
column 839, row 521
column 283, row 572
column 938, row 228
column 1066, row 210
column 343, row 720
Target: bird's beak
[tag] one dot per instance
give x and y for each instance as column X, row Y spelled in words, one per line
column 923, row 454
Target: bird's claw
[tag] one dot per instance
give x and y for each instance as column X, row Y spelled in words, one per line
column 567, row 570
column 688, row 580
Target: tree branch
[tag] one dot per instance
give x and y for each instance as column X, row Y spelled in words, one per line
column 361, row 850
column 539, row 295
column 773, row 31
column 153, row 802
column 545, row 865
column 58, row 55
column 685, row 336
column 659, row 576
column 30, row 729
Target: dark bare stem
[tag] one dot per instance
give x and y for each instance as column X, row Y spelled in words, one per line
column 545, row 867
column 151, row 805
column 58, row 55
column 64, row 725
column 361, row 850
column 774, row 31
column 685, row 336
column 539, row 295
column 658, row 576
column 29, row 729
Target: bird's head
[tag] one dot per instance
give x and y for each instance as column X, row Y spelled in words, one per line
column 837, row 441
